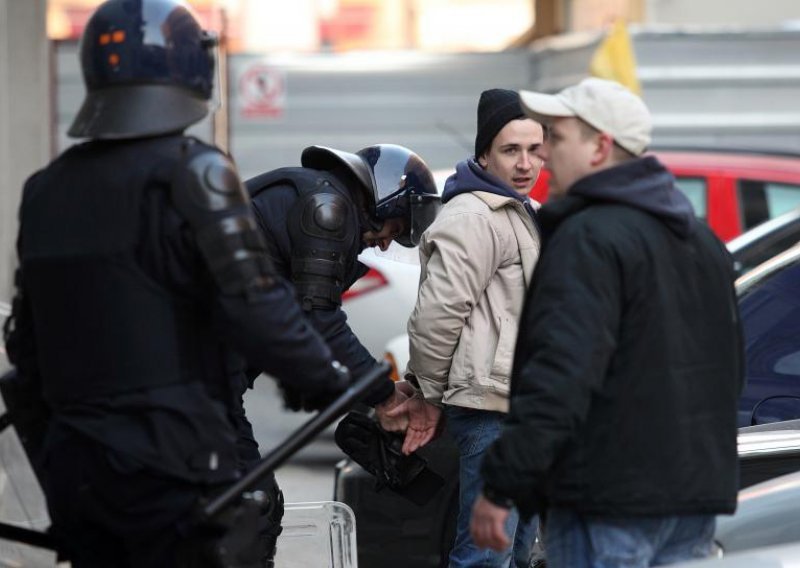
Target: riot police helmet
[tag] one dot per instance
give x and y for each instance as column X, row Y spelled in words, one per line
column 396, row 183
column 148, row 68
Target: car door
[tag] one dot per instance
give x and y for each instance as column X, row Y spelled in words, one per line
column 769, row 303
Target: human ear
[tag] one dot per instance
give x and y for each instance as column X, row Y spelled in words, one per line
column 604, row 147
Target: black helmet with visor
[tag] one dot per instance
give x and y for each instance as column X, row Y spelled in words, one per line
column 148, row 67
column 397, row 184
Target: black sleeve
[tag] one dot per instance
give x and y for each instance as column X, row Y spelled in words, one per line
column 252, row 307
column 22, row 388
column 568, row 333
column 18, row 331
column 272, row 334
column 18, row 334
column 271, row 209
column 347, row 349
column 275, row 209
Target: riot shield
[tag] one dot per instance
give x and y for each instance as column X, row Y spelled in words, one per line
column 317, row 535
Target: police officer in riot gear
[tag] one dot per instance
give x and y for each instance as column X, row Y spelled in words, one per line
column 317, row 218
column 141, row 268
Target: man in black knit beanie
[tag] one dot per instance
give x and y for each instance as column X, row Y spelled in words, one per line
column 477, row 259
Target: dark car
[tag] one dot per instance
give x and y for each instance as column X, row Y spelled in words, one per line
column 392, row 531
column 769, row 302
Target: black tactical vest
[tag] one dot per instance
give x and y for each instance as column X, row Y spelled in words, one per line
column 103, row 325
column 324, row 228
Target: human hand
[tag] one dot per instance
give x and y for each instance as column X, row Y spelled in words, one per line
column 396, row 422
column 423, row 422
column 487, row 525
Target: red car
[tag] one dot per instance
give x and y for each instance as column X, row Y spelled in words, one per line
column 732, row 191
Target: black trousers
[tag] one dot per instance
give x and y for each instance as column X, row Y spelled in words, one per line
column 269, row 523
column 109, row 512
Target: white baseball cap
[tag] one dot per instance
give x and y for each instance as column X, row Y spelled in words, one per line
column 606, row 105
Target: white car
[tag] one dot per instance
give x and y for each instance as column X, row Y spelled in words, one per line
column 379, row 303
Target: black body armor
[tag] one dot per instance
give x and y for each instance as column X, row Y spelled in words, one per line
column 144, row 351
column 324, row 231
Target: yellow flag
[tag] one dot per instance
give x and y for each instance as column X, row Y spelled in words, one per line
column 614, row 59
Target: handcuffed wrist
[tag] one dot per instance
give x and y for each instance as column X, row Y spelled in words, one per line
column 411, row 379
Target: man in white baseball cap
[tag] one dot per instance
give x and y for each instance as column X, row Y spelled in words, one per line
column 628, row 362
column 596, row 107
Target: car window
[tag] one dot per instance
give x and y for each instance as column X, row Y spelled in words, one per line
column 695, row 190
column 770, row 311
column 762, row 200
column 781, row 198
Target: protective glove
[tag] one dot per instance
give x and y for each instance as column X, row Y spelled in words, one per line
column 379, row 453
column 296, row 399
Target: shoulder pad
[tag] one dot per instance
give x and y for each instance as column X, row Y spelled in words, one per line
column 207, row 192
column 325, row 215
column 324, row 231
column 208, row 182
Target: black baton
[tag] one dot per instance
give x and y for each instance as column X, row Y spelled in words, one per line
column 296, row 441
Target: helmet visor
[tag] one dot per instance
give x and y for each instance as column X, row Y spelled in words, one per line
column 210, row 42
column 422, row 210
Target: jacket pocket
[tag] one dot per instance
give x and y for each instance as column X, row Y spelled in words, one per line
column 461, row 368
column 504, row 354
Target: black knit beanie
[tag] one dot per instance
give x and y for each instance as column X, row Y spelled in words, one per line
column 496, row 108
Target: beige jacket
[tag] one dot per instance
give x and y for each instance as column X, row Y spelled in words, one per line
column 477, row 261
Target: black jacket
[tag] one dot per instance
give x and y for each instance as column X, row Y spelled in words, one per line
column 275, row 207
column 119, row 317
column 629, row 361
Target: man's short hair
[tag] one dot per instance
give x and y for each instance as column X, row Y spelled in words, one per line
column 605, row 105
column 619, row 153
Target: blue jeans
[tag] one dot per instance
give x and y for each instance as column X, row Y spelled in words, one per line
column 579, row 541
column 474, row 431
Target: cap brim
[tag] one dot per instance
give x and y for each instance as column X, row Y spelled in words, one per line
column 541, row 107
